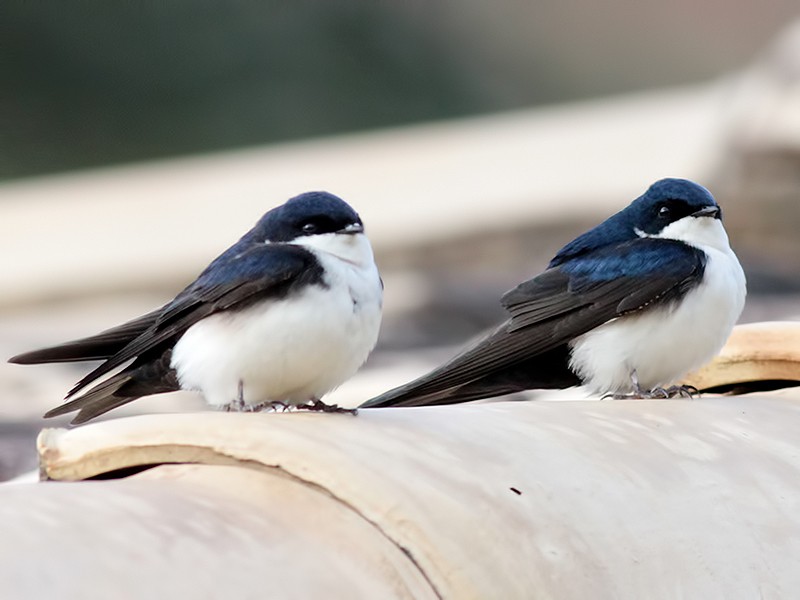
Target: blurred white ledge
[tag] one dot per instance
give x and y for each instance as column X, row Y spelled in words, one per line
column 158, row 224
column 638, row 498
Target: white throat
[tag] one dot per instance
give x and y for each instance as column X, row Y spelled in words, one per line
column 700, row 232
column 351, row 248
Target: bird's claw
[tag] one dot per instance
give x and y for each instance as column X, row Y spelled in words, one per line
column 237, row 406
column 317, row 405
column 313, row 404
column 273, row 405
column 657, row 393
column 682, row 391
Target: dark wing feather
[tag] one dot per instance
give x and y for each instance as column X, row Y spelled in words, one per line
column 262, row 270
column 550, row 310
column 232, row 282
column 144, row 377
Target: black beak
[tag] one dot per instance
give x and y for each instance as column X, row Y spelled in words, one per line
column 352, row 229
column 709, row 211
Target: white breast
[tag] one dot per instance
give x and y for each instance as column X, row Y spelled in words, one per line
column 663, row 344
column 291, row 350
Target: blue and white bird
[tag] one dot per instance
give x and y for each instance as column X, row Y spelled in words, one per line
column 285, row 315
column 625, row 309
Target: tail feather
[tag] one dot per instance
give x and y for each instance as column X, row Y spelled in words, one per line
column 407, row 396
column 549, row 370
column 98, row 400
column 97, row 347
column 144, row 377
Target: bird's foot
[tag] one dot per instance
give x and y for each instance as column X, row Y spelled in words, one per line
column 240, row 406
column 657, row 393
column 654, row 394
column 237, row 405
column 316, row 405
column 273, row 405
column 682, row 391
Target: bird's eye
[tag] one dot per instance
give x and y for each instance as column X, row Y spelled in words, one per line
column 663, row 212
column 309, row 228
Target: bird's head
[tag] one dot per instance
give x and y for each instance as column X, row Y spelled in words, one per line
column 677, row 209
column 317, row 220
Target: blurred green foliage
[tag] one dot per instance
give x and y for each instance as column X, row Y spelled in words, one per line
column 86, row 83
column 104, row 82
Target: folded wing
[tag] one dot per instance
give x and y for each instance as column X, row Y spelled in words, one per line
column 232, row 282
column 548, row 311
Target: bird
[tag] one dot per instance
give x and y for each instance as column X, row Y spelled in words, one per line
column 625, row 309
column 285, row 315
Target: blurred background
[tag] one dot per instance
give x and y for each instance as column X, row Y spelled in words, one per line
column 138, row 140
